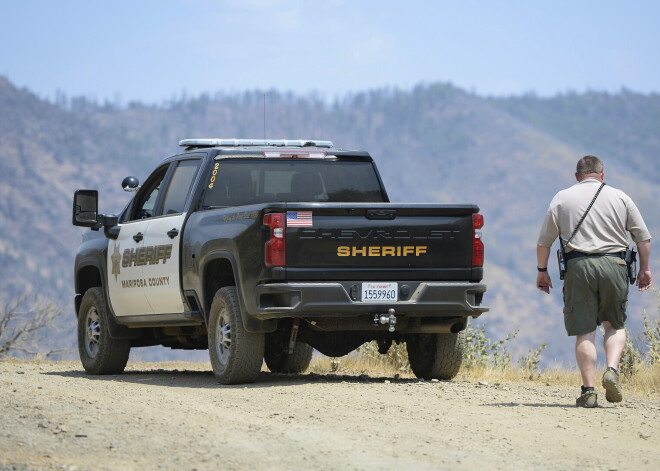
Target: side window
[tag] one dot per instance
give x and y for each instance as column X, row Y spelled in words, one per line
column 179, row 186
column 145, row 204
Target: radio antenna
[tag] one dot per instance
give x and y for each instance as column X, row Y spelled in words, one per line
column 264, row 116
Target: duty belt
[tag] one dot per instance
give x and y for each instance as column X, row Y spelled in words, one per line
column 576, row 254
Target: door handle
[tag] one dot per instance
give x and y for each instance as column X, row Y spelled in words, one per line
column 173, row 232
column 138, row 237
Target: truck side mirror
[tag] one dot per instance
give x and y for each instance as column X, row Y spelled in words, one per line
column 86, row 208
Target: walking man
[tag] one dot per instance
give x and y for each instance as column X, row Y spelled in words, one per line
column 596, row 280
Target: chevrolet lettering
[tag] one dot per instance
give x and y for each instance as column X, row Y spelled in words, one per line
column 377, row 234
column 266, row 250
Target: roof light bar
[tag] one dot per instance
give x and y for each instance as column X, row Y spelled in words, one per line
column 253, row 142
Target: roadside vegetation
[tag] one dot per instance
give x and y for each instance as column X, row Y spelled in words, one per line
column 488, row 360
column 27, row 324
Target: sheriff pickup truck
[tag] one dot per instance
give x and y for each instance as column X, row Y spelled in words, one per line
column 267, row 249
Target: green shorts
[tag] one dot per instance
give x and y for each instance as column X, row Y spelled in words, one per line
column 595, row 290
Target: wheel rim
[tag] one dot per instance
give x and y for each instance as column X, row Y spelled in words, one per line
column 223, row 337
column 92, row 333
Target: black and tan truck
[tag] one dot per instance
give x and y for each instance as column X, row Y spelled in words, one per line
column 268, row 249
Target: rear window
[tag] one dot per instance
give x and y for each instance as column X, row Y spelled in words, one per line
column 241, row 182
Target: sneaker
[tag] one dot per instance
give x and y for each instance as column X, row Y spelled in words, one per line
column 588, row 399
column 611, row 385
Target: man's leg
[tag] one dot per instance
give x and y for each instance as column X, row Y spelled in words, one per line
column 585, row 354
column 614, row 342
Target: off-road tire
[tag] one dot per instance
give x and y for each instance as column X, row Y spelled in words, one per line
column 100, row 354
column 436, row 356
column 236, row 354
column 278, row 359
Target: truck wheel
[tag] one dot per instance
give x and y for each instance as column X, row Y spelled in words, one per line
column 236, row 354
column 278, row 359
column 100, row 354
column 436, row 356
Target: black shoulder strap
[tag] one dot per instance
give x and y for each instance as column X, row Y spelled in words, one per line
column 583, row 216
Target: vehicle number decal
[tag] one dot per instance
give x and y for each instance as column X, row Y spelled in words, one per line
column 213, row 175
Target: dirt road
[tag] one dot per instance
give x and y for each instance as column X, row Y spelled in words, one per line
column 176, row 416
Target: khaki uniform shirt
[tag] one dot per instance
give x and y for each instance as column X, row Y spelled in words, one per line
column 604, row 228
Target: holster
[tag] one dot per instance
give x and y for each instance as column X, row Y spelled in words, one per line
column 561, row 260
column 631, row 262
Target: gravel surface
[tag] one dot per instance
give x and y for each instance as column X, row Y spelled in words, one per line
column 176, row 416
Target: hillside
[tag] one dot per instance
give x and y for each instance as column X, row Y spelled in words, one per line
column 622, row 126
column 435, row 143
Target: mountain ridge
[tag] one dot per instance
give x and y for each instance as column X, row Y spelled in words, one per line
column 435, row 143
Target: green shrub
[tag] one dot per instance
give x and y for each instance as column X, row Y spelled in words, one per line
column 530, row 363
column 652, row 334
column 635, row 355
column 631, row 358
column 481, row 351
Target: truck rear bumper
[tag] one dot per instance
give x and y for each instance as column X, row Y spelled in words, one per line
column 416, row 299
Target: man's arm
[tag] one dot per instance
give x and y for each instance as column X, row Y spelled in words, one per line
column 644, row 278
column 543, row 281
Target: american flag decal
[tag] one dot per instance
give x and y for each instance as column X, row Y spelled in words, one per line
column 299, row 218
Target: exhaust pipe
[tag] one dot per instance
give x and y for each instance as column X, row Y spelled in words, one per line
column 445, row 328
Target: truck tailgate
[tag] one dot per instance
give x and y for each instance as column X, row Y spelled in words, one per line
column 380, row 241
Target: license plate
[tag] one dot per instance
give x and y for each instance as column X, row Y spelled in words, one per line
column 379, row 292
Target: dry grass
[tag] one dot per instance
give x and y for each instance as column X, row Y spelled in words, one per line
column 357, row 364
column 645, row 383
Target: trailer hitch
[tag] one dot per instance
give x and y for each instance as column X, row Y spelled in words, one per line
column 388, row 319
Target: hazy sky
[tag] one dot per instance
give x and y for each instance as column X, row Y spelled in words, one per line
column 152, row 50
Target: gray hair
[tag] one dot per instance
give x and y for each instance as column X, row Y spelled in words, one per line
column 589, row 164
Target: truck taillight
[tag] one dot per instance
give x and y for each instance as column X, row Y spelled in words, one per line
column 275, row 247
column 477, row 244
